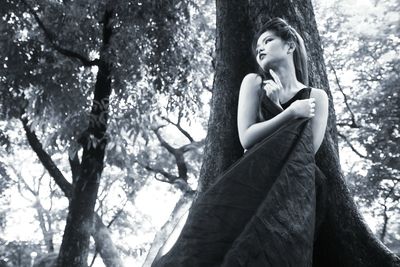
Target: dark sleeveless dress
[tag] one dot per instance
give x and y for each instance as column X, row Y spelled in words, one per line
column 262, row 210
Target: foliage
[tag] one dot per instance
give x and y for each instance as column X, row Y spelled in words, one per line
column 5, row 183
column 161, row 66
column 161, row 53
column 362, row 53
column 18, row 253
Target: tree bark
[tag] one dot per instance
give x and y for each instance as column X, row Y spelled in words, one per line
column 161, row 237
column 104, row 244
column 101, row 233
column 233, row 61
column 343, row 239
column 75, row 245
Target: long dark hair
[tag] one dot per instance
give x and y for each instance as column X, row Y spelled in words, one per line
column 282, row 29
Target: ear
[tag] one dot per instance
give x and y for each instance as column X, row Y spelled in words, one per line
column 292, row 47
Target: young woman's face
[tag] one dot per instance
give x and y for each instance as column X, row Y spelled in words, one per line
column 270, row 50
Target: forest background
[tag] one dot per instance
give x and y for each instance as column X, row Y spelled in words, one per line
column 157, row 124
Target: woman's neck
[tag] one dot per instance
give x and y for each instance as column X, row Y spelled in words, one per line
column 287, row 76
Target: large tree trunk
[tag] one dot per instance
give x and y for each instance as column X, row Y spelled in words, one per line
column 233, row 61
column 75, row 245
column 343, row 239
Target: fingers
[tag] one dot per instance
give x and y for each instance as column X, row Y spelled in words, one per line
column 270, row 86
column 269, row 82
column 312, row 107
column 273, row 74
column 275, row 77
column 304, row 108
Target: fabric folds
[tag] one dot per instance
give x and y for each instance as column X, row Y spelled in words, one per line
column 259, row 212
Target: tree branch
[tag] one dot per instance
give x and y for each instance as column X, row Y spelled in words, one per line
column 179, row 127
column 22, row 180
column 191, row 146
column 54, row 43
column 178, row 153
column 46, row 160
column 353, row 120
column 391, row 190
column 352, row 147
column 116, row 215
column 340, row 124
column 75, row 165
column 164, row 143
column 102, row 238
column 170, row 178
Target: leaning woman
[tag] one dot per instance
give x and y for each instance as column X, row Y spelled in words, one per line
column 265, row 210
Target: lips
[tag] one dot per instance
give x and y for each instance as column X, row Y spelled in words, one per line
column 262, row 56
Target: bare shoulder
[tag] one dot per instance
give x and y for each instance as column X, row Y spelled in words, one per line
column 321, row 101
column 319, row 94
column 251, row 81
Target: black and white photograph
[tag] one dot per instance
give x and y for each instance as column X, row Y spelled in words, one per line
column 209, row 133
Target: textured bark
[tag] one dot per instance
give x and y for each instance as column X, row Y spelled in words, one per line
column 75, row 245
column 101, row 233
column 232, row 64
column 104, row 244
column 344, row 239
column 46, row 160
column 161, row 237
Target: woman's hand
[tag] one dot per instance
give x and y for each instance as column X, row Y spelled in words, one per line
column 272, row 88
column 304, row 108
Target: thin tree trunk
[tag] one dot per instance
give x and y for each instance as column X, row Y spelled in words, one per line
column 80, row 221
column 385, row 222
column 103, row 240
column 47, row 231
column 161, row 237
column 104, row 244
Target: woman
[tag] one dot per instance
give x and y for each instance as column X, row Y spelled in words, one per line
column 262, row 210
column 279, row 51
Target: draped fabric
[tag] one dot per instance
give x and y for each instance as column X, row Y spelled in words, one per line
column 262, row 210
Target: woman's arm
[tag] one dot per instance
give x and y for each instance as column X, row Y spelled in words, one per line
column 251, row 132
column 319, row 121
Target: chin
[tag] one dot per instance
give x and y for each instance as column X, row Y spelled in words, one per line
column 264, row 65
